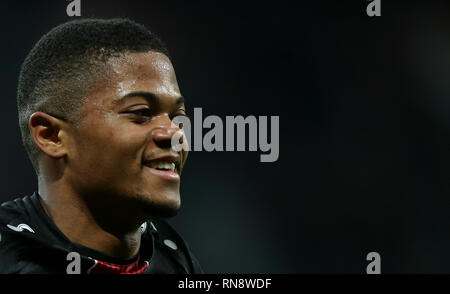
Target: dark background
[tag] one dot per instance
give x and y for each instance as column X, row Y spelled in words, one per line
column 364, row 108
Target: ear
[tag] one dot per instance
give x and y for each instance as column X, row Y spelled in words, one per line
column 48, row 133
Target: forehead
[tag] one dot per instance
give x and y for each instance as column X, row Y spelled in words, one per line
column 150, row 72
column 142, row 69
column 145, row 65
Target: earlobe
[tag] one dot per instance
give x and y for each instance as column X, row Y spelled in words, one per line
column 46, row 132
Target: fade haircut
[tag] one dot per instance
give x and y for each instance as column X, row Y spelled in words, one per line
column 67, row 62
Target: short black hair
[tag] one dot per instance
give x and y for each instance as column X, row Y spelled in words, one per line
column 67, row 61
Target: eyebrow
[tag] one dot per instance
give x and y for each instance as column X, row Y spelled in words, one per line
column 149, row 96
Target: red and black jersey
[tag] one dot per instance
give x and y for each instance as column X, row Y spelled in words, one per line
column 31, row 243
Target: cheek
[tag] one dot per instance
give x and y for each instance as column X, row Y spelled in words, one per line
column 111, row 150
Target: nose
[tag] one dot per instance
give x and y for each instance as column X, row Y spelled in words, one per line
column 163, row 131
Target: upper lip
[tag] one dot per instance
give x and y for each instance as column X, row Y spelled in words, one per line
column 172, row 158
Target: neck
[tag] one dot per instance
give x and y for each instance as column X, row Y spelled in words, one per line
column 91, row 222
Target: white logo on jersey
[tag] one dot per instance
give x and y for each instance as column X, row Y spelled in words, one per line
column 170, row 244
column 20, row 228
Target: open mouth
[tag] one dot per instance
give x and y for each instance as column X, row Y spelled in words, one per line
column 162, row 165
column 165, row 164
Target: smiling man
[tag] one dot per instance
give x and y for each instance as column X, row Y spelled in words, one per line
column 96, row 99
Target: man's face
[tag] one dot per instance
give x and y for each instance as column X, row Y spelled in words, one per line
column 121, row 149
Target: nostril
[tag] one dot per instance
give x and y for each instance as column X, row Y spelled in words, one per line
column 164, row 144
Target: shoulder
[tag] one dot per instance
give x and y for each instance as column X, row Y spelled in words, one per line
column 14, row 237
column 14, row 210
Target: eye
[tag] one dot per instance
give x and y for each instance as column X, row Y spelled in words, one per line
column 138, row 115
column 141, row 112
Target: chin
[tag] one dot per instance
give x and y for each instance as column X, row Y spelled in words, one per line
column 162, row 207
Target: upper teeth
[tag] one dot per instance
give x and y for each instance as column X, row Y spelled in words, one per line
column 163, row 165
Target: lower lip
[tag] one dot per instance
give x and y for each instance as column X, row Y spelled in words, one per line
column 165, row 174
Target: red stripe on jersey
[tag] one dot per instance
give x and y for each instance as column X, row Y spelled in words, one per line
column 101, row 267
